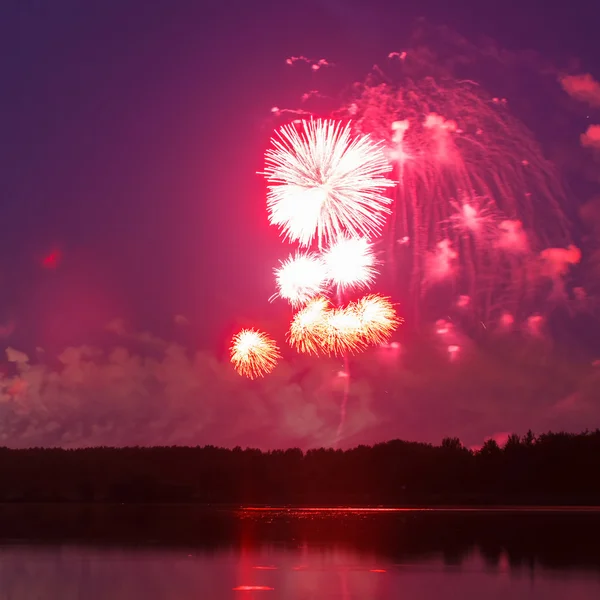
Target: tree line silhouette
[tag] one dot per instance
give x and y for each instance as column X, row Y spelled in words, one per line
column 551, row 468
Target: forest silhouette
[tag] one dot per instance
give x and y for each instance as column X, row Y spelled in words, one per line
column 548, row 469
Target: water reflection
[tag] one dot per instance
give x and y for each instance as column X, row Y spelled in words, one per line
column 181, row 553
column 69, row 573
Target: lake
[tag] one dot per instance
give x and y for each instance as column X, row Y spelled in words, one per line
column 184, row 552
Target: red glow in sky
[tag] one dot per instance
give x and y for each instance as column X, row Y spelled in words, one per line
column 52, row 259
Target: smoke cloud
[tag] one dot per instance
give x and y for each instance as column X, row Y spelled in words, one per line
column 582, row 87
column 591, row 138
column 90, row 396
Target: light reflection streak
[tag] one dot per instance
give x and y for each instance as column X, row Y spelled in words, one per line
column 252, row 588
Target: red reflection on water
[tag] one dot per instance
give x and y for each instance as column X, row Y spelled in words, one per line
column 330, row 509
column 269, row 568
column 252, row 588
column 378, row 571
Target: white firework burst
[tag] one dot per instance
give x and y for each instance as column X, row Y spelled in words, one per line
column 326, row 183
column 350, row 264
column 300, row 278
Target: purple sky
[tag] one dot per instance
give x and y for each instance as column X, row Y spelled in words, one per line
column 131, row 134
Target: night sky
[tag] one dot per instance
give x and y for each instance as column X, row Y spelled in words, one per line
column 130, row 137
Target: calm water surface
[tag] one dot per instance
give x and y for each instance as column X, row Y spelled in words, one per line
column 185, row 553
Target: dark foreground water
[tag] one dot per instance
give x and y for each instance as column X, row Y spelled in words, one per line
column 185, row 553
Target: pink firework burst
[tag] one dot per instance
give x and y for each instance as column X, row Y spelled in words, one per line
column 468, row 174
column 474, row 217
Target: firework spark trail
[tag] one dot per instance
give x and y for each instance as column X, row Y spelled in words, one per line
column 344, row 404
column 253, row 353
column 346, row 391
column 326, row 183
column 461, row 160
column 370, row 321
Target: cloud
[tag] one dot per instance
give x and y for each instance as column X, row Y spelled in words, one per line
column 591, row 138
column 119, row 328
column 116, row 326
column 116, row 396
column 15, row 356
column 181, row 320
column 582, row 87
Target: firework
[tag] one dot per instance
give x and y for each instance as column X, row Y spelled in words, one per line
column 377, row 317
column 343, row 333
column 300, row 278
column 253, row 353
column 475, row 198
column 319, row 328
column 326, row 182
column 350, row 263
column 367, row 322
column 474, row 217
column 308, row 327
